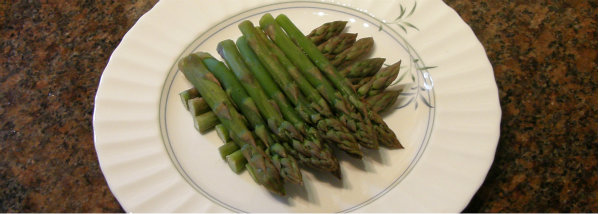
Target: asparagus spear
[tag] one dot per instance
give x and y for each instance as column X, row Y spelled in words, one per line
column 360, row 48
column 386, row 135
column 330, row 128
column 236, row 161
column 362, row 68
column 358, row 82
column 205, row 121
column 380, row 81
column 346, row 112
column 207, row 85
column 188, row 94
column 337, row 44
column 208, row 120
column 264, row 78
column 307, row 143
column 287, row 165
column 197, row 106
column 382, row 101
column 326, row 31
column 222, row 133
column 238, row 96
column 272, row 90
column 227, row 148
column 295, row 76
column 251, row 172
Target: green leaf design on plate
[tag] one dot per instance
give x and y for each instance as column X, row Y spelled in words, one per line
column 410, row 25
column 400, row 21
column 412, row 9
column 418, row 83
column 415, row 89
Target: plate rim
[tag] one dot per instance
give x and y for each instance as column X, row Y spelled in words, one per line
column 103, row 82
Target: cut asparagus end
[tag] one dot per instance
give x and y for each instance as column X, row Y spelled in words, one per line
column 198, row 106
column 227, row 149
column 188, row 94
column 222, row 133
column 205, row 122
column 236, row 161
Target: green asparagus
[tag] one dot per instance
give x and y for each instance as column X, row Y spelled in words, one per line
column 380, row 81
column 205, row 122
column 362, row 68
column 208, row 86
column 358, row 82
column 227, row 148
column 188, row 94
column 249, row 107
column 308, row 143
column 382, row 101
column 222, row 133
column 355, row 80
column 238, row 95
column 386, row 136
column 326, row 31
column 337, row 44
column 330, row 128
column 360, row 48
column 197, row 106
column 346, row 112
column 236, row 161
column 293, row 75
column 251, row 172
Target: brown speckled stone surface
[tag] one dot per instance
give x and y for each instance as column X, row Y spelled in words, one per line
column 52, row 56
column 544, row 56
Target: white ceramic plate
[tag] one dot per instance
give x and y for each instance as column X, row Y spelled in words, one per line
column 447, row 119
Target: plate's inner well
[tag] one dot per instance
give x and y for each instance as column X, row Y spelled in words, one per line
column 196, row 156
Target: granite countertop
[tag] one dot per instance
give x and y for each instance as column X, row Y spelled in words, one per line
column 545, row 62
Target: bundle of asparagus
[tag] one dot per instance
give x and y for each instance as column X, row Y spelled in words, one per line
column 294, row 98
column 286, row 164
column 329, row 127
column 386, row 136
column 259, row 163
